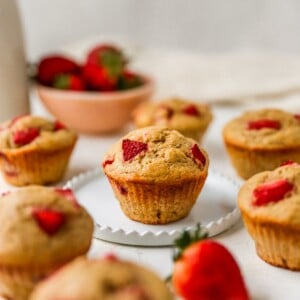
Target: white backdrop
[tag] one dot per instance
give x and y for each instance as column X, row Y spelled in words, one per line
column 201, row 25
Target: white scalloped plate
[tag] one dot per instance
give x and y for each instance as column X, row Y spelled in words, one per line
column 215, row 209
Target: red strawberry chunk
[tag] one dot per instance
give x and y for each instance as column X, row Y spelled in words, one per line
column 59, row 125
column 297, row 116
column 263, row 123
column 132, row 148
column 50, row 221
column 288, row 163
column 25, row 136
column 68, row 194
column 191, row 110
column 110, row 257
column 198, row 155
column 271, row 192
column 107, row 162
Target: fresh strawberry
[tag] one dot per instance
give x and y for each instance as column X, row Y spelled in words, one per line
column 25, row 136
column 129, row 80
column 206, row 270
column 132, row 148
column 263, row 123
column 58, row 126
column 68, row 194
column 198, row 155
column 271, row 192
column 98, row 78
column 69, row 82
column 108, row 57
column 50, row 221
column 51, row 66
column 191, row 110
column 107, row 162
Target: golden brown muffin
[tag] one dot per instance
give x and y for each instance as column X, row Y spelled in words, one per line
column 105, row 279
column 261, row 140
column 34, row 150
column 156, row 174
column 190, row 118
column 41, row 229
column 270, row 205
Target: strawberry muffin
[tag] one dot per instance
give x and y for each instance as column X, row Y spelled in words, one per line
column 156, row 174
column 270, row 205
column 261, row 140
column 34, row 150
column 190, row 118
column 106, row 279
column 41, row 229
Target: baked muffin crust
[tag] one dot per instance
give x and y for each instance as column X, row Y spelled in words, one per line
column 287, row 136
column 48, row 139
column 24, row 244
column 105, row 279
column 285, row 211
column 168, row 157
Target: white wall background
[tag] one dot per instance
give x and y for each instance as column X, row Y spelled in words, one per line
column 202, row 25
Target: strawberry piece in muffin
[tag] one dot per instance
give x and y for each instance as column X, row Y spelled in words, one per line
column 132, row 148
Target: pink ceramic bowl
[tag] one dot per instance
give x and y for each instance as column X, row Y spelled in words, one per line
column 94, row 112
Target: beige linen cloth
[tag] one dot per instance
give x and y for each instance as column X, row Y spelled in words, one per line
column 256, row 79
column 261, row 79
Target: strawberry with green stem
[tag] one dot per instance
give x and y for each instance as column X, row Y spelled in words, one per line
column 103, row 67
column 205, row 270
column 51, row 66
column 69, row 82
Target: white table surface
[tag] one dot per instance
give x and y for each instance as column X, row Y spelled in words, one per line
column 263, row 280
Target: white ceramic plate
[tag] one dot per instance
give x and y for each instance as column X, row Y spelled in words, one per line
column 215, row 209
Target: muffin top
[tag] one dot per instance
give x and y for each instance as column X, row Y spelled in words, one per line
column 30, row 132
column 42, row 226
column 273, row 196
column 264, row 129
column 155, row 154
column 108, row 278
column 174, row 113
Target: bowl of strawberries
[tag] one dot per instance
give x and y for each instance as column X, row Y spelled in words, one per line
column 97, row 96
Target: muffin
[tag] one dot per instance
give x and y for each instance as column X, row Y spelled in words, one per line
column 270, row 206
column 34, row 150
column 105, row 279
column 261, row 140
column 41, row 229
column 156, row 174
column 190, row 118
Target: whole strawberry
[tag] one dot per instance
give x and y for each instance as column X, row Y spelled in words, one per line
column 103, row 68
column 205, row 270
column 107, row 56
column 69, row 82
column 51, row 66
column 99, row 78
